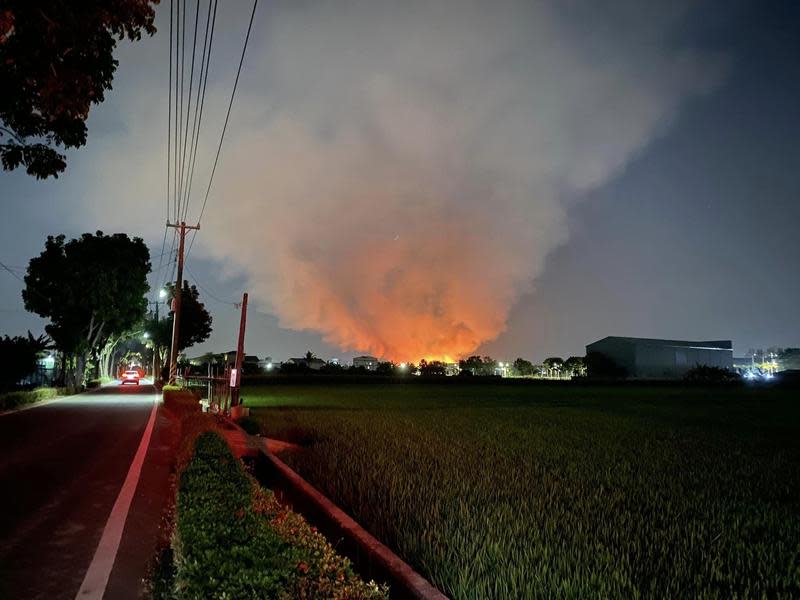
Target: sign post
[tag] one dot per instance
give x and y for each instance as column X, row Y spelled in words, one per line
column 236, row 378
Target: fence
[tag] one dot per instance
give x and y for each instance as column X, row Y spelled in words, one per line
column 215, row 389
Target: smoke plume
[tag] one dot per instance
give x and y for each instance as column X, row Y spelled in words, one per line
column 399, row 171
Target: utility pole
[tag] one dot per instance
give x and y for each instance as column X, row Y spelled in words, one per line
column 237, row 379
column 182, row 227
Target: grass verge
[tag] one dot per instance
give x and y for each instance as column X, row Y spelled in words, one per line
column 12, row 400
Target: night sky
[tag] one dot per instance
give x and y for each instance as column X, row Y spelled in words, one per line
column 524, row 179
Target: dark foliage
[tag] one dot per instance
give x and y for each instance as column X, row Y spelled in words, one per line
column 524, row 367
column 56, row 61
column 600, row 365
column 434, row 368
column 18, row 358
column 90, row 288
column 477, row 365
column 707, row 374
column 195, row 325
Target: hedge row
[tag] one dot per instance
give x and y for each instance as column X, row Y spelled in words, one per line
column 11, row 400
column 234, row 540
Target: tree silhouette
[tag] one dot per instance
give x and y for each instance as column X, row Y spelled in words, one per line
column 56, row 61
column 524, row 367
column 18, row 355
column 90, row 288
column 554, row 365
column 195, row 326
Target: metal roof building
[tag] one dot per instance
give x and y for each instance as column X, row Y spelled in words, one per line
column 648, row 358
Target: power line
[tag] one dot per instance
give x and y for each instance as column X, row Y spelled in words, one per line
column 27, row 285
column 169, row 143
column 206, row 290
column 188, row 111
column 15, row 275
column 205, row 63
column 225, row 125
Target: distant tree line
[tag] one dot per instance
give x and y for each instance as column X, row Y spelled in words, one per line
column 473, row 366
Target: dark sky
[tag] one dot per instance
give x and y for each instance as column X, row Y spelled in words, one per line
column 690, row 233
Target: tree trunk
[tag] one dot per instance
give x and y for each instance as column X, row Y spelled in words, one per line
column 80, row 368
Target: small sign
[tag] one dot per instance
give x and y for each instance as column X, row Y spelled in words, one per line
column 234, row 378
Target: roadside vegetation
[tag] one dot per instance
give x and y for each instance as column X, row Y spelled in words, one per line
column 233, row 539
column 17, row 399
column 560, row 491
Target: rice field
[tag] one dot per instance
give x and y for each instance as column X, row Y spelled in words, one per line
column 496, row 491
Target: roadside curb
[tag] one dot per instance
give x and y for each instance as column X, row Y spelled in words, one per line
column 370, row 554
column 379, row 556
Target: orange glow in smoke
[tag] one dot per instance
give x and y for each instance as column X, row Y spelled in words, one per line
column 433, row 292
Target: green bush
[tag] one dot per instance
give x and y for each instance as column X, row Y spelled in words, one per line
column 12, row 400
column 223, row 549
column 234, row 540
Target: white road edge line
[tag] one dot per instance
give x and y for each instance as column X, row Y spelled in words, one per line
column 96, row 579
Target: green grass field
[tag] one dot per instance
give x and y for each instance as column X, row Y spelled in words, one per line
column 495, row 491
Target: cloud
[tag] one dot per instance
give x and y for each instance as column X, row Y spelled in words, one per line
column 400, row 171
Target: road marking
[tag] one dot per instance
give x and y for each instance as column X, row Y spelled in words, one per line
column 96, row 579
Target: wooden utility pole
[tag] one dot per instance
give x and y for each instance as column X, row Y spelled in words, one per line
column 182, row 227
column 237, row 379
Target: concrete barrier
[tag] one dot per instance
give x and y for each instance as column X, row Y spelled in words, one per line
column 371, row 558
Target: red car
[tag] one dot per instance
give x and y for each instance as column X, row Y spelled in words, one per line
column 130, row 377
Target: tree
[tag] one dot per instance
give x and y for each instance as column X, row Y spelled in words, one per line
column 18, row 356
column 309, row 356
column 575, row 366
column 789, row 358
column 56, row 60
column 434, row 368
column 195, row 325
column 478, row 366
column 524, row 367
column 554, row 364
column 90, row 288
column 386, row 368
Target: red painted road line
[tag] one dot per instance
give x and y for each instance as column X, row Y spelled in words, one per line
column 96, row 579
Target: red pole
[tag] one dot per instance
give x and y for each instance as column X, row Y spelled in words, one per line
column 239, row 353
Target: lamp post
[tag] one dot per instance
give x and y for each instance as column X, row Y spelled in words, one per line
column 162, row 294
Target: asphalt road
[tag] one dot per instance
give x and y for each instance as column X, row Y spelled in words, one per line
column 62, row 466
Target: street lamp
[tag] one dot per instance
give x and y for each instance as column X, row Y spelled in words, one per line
column 162, row 293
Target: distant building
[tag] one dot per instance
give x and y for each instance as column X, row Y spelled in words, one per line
column 267, row 364
column 656, row 359
column 370, row 363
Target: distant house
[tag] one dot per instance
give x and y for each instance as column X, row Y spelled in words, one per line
column 647, row 358
column 267, row 364
column 370, row 363
column 315, row 364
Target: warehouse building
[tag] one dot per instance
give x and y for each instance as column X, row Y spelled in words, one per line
column 645, row 358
